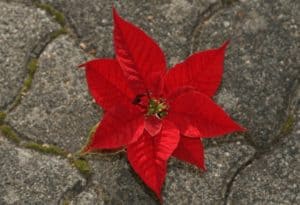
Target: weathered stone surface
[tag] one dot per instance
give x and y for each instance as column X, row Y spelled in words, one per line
column 23, row 2
column 170, row 22
column 187, row 185
column 28, row 177
column 261, row 64
column 92, row 196
column 58, row 110
column 21, row 28
column 273, row 179
column 117, row 183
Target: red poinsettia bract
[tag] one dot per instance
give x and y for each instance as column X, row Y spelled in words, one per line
column 152, row 111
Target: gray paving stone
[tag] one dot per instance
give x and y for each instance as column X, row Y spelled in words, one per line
column 185, row 184
column 21, row 28
column 261, row 64
column 114, row 179
column 170, row 22
column 24, row 2
column 92, row 196
column 58, row 109
column 273, row 179
column 28, row 177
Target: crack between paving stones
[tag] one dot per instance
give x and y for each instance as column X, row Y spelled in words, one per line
column 31, row 55
column 69, row 25
column 201, row 18
column 34, row 54
column 22, row 137
column 206, row 15
column 257, row 156
column 73, row 159
column 235, row 175
column 73, row 191
column 291, row 109
column 77, row 36
column 288, row 123
column 24, row 140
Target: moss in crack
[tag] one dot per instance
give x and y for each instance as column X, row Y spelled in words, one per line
column 82, row 166
column 8, row 132
column 58, row 16
column 66, row 202
column 89, row 138
column 31, row 67
column 45, row 148
column 16, row 102
column 27, row 85
column 2, row 117
column 59, row 32
column 288, row 125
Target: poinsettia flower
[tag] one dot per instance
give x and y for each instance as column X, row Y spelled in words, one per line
column 152, row 111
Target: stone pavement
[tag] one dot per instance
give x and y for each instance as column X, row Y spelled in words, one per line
column 46, row 113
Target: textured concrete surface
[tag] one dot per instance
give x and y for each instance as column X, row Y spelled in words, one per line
column 58, row 110
column 259, row 89
column 91, row 196
column 187, row 185
column 273, row 178
column 28, row 177
column 117, row 183
column 17, row 41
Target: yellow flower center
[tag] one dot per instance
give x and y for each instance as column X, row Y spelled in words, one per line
column 156, row 107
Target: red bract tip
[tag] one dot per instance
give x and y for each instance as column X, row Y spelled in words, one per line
column 81, row 66
column 225, row 44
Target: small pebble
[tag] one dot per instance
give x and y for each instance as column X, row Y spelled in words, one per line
column 226, row 24
column 150, row 18
column 82, row 46
column 45, row 145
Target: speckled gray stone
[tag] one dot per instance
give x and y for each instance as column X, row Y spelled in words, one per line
column 29, row 177
column 187, row 185
column 169, row 22
column 58, row 109
column 261, row 64
column 273, row 179
column 21, row 28
column 91, row 196
column 117, row 183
